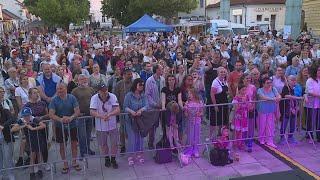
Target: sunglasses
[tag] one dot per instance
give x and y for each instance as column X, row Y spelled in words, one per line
column 141, row 84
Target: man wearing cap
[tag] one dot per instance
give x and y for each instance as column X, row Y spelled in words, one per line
column 64, row 109
column 104, row 107
column 121, row 89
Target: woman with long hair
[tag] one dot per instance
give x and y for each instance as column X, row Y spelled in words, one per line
column 170, row 94
column 40, row 111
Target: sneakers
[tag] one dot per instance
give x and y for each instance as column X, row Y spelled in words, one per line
column 114, row 163
column 20, row 162
column 122, row 149
column 33, row 176
column 282, row 141
column 107, row 162
column 292, row 140
column 151, row 146
column 40, row 174
column 47, row 167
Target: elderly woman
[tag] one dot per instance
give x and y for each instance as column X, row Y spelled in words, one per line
column 267, row 110
column 134, row 103
column 10, row 85
column 219, row 95
column 21, row 92
column 96, row 78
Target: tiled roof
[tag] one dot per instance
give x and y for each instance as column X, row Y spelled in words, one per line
column 7, row 15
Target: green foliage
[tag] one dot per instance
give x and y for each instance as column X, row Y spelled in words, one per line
column 134, row 9
column 59, row 13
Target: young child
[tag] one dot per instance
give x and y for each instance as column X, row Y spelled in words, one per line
column 193, row 111
column 172, row 124
column 220, row 155
column 31, row 127
column 240, row 120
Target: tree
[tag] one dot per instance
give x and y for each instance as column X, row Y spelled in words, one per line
column 127, row 11
column 59, row 13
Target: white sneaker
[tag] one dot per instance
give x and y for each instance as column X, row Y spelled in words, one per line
column 47, row 167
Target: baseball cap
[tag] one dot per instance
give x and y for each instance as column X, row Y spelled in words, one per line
column 103, row 87
column 26, row 112
column 127, row 70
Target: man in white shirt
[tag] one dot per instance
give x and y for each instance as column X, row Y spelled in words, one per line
column 104, row 107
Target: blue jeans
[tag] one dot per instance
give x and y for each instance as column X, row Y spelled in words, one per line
column 135, row 140
column 284, row 125
column 250, row 134
column 84, row 134
column 6, row 158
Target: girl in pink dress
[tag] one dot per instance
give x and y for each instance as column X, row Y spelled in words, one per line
column 193, row 111
column 240, row 121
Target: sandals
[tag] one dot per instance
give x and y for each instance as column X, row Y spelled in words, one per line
column 65, row 170
column 77, row 167
column 140, row 159
column 130, row 161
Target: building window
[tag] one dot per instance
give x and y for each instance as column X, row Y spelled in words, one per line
column 259, row 18
column 266, row 19
column 202, row 3
column 103, row 19
column 240, row 19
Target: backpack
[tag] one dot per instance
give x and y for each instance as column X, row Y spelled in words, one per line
column 163, row 155
column 220, row 157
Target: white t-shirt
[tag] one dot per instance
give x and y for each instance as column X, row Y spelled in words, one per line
column 281, row 59
column 225, row 54
column 97, row 104
column 23, row 93
column 217, row 84
column 305, row 62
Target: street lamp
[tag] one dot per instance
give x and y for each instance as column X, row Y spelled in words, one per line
column 121, row 19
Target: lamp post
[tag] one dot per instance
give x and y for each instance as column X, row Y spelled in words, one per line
column 121, row 18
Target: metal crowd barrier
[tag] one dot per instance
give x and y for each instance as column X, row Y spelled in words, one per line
column 302, row 121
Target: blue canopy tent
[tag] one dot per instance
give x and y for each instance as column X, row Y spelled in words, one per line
column 147, row 24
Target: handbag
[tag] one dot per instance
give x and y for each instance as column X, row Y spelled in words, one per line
column 277, row 114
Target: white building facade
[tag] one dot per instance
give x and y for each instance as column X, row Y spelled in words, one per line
column 96, row 14
column 253, row 14
column 15, row 7
column 200, row 11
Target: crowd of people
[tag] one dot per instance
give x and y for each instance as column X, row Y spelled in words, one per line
column 62, row 76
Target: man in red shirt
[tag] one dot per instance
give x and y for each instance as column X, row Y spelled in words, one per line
column 234, row 78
